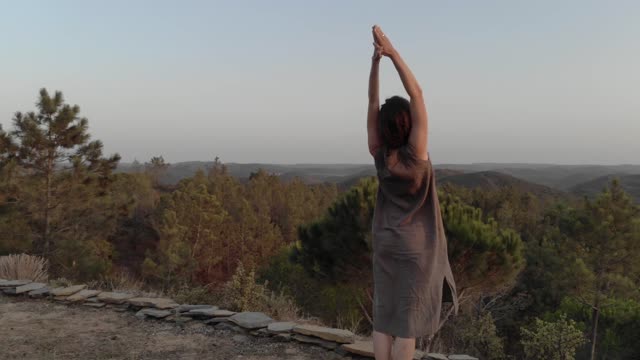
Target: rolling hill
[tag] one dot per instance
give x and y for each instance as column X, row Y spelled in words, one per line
column 630, row 183
column 540, row 179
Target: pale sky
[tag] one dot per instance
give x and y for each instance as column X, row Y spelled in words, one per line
column 286, row 81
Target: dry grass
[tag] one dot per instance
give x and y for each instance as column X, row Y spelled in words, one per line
column 122, row 281
column 24, row 267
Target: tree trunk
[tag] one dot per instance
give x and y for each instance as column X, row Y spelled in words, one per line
column 595, row 314
column 47, row 205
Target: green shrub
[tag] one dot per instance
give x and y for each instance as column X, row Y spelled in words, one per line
column 552, row 340
column 471, row 334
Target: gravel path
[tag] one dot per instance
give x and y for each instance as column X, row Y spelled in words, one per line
column 36, row 329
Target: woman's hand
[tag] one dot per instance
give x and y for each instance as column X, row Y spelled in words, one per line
column 382, row 41
column 377, row 52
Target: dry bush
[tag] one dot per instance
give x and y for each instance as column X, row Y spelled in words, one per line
column 243, row 293
column 122, row 281
column 24, row 267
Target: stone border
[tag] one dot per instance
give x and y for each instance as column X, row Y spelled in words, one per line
column 343, row 342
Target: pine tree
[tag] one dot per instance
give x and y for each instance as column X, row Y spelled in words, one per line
column 607, row 253
column 58, row 160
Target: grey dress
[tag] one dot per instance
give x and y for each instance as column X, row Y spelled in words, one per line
column 411, row 268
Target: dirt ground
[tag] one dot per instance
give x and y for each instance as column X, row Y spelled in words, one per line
column 37, row 329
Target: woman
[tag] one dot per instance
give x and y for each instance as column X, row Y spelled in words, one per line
column 411, row 270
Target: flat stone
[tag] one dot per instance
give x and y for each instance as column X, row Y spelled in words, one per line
column 251, row 320
column 314, row 340
column 202, row 313
column 42, row 292
column 118, row 307
column 93, row 299
column 461, row 357
column 223, row 313
column 114, row 297
column 186, row 307
column 13, row 283
column 154, row 313
column 158, row 303
column 94, row 304
column 29, row 287
column 83, row 295
column 331, row 334
column 281, row 327
column 364, row 348
column 67, row 291
column 178, row 319
column 9, row 291
column 417, row 355
column 435, row 356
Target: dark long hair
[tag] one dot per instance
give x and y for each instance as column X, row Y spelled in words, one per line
column 395, row 126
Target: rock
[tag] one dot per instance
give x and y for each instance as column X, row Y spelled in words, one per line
column 205, row 313
column 13, row 283
column 251, row 320
column 331, row 334
column 9, row 291
column 158, row 303
column 82, row 295
column 364, row 348
column 281, row 327
column 239, row 338
column 29, row 287
column 67, row 291
column 434, row 356
column 154, row 313
column 314, row 340
column 42, row 292
column 114, row 297
column 92, row 299
column 178, row 319
column 228, row 326
column 186, row 307
column 94, row 304
column 462, row 357
column 118, row 307
column 222, row 313
column 417, row 355
column 284, row 337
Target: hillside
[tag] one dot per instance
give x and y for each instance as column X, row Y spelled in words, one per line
column 630, row 184
column 536, row 178
column 493, row 180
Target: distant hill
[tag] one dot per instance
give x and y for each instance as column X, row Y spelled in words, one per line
column 630, row 184
column 493, row 180
column 562, row 177
column 536, row 178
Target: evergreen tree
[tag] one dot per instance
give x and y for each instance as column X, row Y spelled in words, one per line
column 59, row 164
column 606, row 253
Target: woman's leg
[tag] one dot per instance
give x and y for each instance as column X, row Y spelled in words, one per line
column 403, row 348
column 382, row 346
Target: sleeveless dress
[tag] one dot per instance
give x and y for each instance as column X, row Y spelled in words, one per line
column 411, row 271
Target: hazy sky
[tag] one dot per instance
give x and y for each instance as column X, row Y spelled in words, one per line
column 286, row 81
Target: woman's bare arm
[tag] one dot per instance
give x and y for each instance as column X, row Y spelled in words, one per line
column 374, row 102
column 419, row 126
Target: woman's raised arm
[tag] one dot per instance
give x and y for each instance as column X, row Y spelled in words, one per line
column 373, row 138
column 419, row 125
